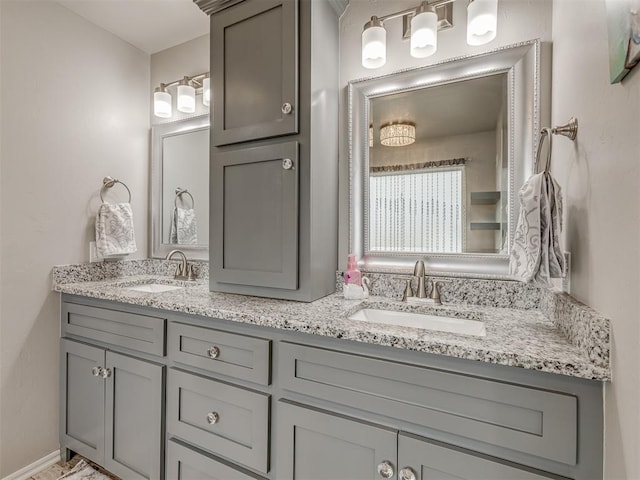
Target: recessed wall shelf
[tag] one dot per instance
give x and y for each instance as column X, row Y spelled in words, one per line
column 485, row 198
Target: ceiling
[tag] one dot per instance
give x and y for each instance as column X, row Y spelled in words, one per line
column 456, row 108
column 150, row 25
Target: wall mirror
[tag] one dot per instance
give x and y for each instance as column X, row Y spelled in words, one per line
column 180, row 188
column 437, row 156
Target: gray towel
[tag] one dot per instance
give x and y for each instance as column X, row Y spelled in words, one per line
column 184, row 230
column 536, row 254
column 114, row 230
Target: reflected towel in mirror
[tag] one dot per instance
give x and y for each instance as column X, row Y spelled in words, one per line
column 184, row 230
column 114, row 230
column 536, row 254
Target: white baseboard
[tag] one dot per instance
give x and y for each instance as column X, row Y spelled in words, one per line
column 35, row 467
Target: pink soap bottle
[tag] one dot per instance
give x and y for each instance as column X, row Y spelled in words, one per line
column 352, row 276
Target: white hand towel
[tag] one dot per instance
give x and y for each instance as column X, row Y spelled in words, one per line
column 114, row 230
column 184, row 230
column 536, row 254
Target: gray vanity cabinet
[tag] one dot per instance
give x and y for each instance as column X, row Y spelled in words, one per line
column 256, row 201
column 254, row 48
column 274, row 154
column 113, row 412
column 319, row 445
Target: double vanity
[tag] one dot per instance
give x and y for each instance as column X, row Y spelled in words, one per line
column 190, row 384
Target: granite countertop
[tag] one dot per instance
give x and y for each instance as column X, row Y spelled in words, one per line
column 524, row 338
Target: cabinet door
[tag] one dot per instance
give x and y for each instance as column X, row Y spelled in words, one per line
column 133, row 411
column 430, row 461
column 315, row 445
column 254, row 48
column 82, row 399
column 255, row 216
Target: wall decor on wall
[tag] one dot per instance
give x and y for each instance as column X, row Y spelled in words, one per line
column 623, row 23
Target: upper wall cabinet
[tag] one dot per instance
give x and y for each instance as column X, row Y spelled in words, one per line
column 274, row 154
column 254, row 49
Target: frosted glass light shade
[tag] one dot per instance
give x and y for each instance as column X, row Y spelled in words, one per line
column 374, row 44
column 162, row 104
column 186, row 102
column 398, row 135
column 482, row 21
column 206, row 91
column 424, row 34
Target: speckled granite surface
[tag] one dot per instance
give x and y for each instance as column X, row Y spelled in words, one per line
column 525, row 335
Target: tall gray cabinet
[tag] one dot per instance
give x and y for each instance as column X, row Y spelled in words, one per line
column 274, row 147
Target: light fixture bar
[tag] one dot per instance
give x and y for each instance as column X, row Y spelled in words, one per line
column 411, row 11
column 186, row 93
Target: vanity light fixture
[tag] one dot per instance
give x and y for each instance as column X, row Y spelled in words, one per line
column 186, row 90
column 186, row 102
column 398, row 134
column 422, row 23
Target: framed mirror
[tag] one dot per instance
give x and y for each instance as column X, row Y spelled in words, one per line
column 437, row 156
column 180, row 188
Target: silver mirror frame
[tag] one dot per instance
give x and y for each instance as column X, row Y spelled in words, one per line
column 158, row 134
column 522, row 64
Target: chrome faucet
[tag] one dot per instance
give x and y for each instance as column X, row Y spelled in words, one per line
column 419, row 271
column 184, row 270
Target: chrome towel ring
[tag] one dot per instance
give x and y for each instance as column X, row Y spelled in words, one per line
column 179, row 193
column 108, row 182
column 569, row 130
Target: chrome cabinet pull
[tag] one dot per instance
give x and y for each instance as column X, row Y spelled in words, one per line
column 96, row 371
column 287, row 164
column 212, row 418
column 286, row 108
column 385, row 469
column 407, row 473
column 213, row 352
column 106, row 372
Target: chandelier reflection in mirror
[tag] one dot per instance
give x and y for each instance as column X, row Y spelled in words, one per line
column 185, row 95
column 398, row 135
column 422, row 23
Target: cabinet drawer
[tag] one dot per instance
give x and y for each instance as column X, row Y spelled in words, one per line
column 138, row 332
column 183, row 463
column 229, row 421
column 530, row 420
column 238, row 356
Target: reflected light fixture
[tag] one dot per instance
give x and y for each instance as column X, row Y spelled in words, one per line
column 398, row 134
column 422, row 23
column 187, row 88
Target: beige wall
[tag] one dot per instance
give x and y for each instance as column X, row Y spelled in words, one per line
column 600, row 175
column 75, row 103
column 518, row 21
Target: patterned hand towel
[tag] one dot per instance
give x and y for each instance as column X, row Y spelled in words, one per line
column 536, row 254
column 114, row 230
column 184, row 230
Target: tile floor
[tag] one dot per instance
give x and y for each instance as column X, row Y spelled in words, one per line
column 58, row 469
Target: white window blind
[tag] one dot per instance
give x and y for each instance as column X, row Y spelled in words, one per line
column 417, row 211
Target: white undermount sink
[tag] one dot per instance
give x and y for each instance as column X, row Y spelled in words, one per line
column 460, row 326
column 153, row 288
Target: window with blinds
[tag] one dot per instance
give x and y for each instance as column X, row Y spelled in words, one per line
column 417, row 211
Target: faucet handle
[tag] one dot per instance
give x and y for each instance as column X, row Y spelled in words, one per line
column 408, row 291
column 191, row 274
column 435, row 293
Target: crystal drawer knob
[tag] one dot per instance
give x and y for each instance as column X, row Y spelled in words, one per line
column 385, row 469
column 407, row 474
column 287, row 164
column 213, row 352
column 213, row 418
column 286, row 108
column 96, row 371
column 106, row 372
